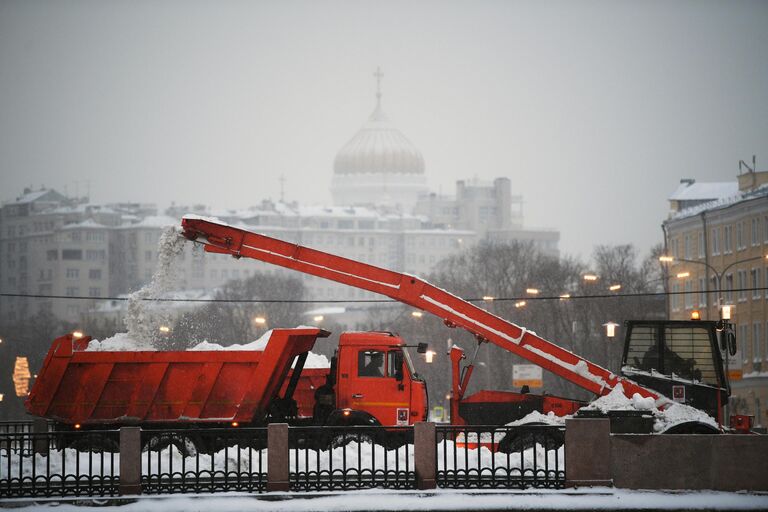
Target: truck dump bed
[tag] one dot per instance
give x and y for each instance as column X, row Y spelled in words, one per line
column 124, row 387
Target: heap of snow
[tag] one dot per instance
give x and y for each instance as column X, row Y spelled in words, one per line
column 674, row 413
column 123, row 342
column 616, row 400
column 536, row 417
column 120, row 342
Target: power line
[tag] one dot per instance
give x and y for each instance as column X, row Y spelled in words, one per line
column 357, row 301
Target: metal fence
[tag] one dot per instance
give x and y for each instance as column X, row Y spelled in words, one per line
column 494, row 457
column 15, row 427
column 327, row 458
column 204, row 460
column 59, row 464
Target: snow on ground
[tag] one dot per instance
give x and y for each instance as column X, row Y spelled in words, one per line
column 597, row 498
column 363, row 455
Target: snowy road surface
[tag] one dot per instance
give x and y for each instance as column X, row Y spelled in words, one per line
column 401, row 501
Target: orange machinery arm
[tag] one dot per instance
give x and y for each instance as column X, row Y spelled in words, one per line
column 222, row 238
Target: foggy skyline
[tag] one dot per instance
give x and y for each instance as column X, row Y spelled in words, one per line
column 594, row 110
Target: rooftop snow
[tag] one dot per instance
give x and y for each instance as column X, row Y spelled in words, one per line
column 723, row 202
column 704, row 191
column 86, row 224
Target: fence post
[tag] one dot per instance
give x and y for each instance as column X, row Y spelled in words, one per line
column 588, row 452
column 278, row 454
column 424, row 454
column 41, row 442
column 130, row 460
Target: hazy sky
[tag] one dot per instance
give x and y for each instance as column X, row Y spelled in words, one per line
column 594, row 110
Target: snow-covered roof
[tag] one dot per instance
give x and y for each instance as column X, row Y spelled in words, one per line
column 688, row 191
column 86, row 224
column 723, row 202
column 154, row 221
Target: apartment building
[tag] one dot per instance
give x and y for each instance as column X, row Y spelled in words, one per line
column 717, row 234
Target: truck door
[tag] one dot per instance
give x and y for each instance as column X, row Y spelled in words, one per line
column 381, row 386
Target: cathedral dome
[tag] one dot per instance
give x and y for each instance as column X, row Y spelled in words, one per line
column 378, row 148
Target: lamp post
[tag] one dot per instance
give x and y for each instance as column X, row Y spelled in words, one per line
column 718, row 275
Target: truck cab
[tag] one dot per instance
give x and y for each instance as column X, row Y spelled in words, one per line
column 375, row 382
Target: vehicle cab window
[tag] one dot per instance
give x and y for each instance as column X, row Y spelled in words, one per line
column 370, row 363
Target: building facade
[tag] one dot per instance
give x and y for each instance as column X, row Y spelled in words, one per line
column 717, row 235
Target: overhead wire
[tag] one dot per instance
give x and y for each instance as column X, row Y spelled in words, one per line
column 364, row 301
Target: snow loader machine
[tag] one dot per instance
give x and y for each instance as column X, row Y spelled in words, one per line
column 666, row 361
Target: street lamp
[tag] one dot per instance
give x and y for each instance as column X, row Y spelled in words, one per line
column 610, row 329
column 589, row 277
column 532, row 291
column 260, row 320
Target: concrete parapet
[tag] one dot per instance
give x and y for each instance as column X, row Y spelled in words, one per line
column 587, row 452
column 424, row 454
column 727, row 462
column 278, row 467
column 130, row 460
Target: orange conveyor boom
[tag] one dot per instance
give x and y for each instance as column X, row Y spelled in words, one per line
column 222, row 238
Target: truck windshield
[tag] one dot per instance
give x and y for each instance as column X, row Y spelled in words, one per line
column 684, row 351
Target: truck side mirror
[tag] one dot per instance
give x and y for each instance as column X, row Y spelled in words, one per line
column 422, row 348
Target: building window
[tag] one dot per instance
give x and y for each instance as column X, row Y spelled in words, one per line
column 729, row 288
column 147, row 255
column 72, row 254
column 765, row 229
column 715, row 241
column 755, row 231
column 52, row 255
column 73, row 273
column 727, row 239
column 740, row 236
column 688, row 295
column 702, row 293
column 675, row 299
column 755, row 283
column 94, row 292
column 756, row 339
column 94, row 273
column 73, row 291
column 743, row 333
column 701, row 244
column 687, row 247
column 742, row 284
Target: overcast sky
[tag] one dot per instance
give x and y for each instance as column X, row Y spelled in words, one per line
column 594, row 110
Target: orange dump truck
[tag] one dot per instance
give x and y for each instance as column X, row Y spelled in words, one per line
column 83, row 389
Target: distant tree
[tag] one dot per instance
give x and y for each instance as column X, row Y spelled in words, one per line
column 227, row 323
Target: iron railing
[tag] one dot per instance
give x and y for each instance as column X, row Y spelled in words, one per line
column 59, row 464
column 329, row 458
column 204, row 460
column 15, row 427
column 494, row 457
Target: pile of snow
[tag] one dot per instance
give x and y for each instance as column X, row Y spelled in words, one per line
column 124, row 342
column 536, row 417
column 120, row 342
column 674, row 413
column 616, row 400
